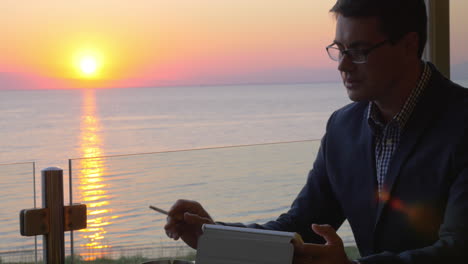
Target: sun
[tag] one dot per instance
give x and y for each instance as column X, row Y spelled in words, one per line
column 88, row 65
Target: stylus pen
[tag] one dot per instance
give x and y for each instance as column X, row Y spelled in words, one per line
column 159, row 210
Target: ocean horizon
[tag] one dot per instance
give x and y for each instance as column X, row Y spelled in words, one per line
column 47, row 126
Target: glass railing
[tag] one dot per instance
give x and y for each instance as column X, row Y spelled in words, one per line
column 247, row 184
column 17, row 181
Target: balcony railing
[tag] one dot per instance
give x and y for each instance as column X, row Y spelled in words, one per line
column 254, row 183
column 17, row 181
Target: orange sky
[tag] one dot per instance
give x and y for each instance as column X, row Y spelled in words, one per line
column 177, row 42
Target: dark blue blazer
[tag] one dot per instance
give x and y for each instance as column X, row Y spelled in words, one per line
column 424, row 216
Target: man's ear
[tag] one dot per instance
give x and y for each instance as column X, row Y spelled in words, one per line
column 411, row 43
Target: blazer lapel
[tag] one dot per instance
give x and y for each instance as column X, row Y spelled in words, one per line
column 368, row 189
column 423, row 113
column 370, row 183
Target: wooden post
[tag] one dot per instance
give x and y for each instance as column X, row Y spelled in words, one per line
column 52, row 198
column 438, row 38
column 54, row 218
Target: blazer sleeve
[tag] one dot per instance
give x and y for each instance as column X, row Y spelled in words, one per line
column 452, row 245
column 316, row 203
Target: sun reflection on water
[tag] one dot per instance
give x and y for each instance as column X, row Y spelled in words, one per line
column 92, row 185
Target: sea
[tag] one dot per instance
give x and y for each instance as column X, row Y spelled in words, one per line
column 242, row 151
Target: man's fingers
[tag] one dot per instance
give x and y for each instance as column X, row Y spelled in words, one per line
column 328, row 233
column 298, row 246
column 305, row 249
column 193, row 219
column 171, row 223
column 181, row 206
column 185, row 219
column 174, row 228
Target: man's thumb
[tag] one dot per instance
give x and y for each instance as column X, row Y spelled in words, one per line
column 194, row 219
column 328, row 233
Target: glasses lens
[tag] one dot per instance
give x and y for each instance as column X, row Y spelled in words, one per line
column 334, row 53
column 357, row 56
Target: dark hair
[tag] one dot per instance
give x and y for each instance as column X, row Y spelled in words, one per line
column 397, row 17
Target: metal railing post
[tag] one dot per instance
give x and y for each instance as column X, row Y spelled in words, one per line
column 52, row 198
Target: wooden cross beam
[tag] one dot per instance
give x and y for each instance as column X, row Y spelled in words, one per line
column 36, row 221
column 54, row 218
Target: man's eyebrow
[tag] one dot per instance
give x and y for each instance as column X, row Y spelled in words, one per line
column 353, row 45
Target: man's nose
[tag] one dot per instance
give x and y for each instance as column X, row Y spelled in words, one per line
column 346, row 64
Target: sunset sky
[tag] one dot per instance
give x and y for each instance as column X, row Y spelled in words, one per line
column 110, row 43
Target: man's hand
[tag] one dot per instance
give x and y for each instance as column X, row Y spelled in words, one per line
column 185, row 221
column 330, row 253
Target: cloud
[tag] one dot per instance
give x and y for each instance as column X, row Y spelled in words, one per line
column 290, row 75
column 257, row 76
column 10, row 81
column 25, row 81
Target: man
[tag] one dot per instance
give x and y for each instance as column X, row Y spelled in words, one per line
column 394, row 163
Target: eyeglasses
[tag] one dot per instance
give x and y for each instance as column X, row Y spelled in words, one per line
column 358, row 56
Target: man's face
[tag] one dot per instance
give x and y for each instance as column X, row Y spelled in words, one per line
column 374, row 80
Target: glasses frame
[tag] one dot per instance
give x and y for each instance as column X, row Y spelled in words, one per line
column 354, row 53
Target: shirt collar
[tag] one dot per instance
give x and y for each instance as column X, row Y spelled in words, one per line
column 401, row 118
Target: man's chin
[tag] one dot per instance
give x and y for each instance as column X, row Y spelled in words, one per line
column 355, row 96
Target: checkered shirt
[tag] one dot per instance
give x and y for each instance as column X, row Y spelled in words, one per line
column 387, row 136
